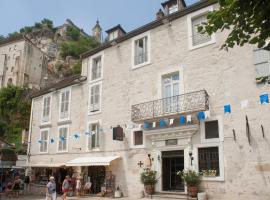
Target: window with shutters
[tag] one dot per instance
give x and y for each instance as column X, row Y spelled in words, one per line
column 43, row 142
column 65, row 104
column 93, row 136
column 46, row 110
column 141, row 50
column 208, row 159
column 195, row 38
column 95, row 98
column 261, row 60
column 199, row 38
column 63, row 139
column 96, row 70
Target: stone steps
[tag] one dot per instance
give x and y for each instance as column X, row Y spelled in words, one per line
column 170, row 195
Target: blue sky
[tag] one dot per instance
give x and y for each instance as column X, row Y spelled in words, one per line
column 131, row 14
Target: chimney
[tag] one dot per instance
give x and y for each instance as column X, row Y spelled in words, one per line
column 159, row 14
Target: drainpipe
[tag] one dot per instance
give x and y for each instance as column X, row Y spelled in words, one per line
column 30, row 132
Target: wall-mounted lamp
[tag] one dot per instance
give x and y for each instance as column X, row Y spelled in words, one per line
column 191, row 157
column 158, row 157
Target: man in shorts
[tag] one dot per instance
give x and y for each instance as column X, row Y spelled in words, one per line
column 51, row 189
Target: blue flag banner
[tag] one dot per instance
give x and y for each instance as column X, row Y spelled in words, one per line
column 264, row 99
column 162, row 123
column 182, row 120
column 201, row 116
column 227, row 108
column 76, row 136
column 146, row 125
column 39, row 141
column 62, row 138
column 52, row 140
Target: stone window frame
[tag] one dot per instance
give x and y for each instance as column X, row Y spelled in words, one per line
column 50, row 111
column 100, row 98
column 91, row 62
column 67, row 138
column 195, row 15
column 133, row 146
column 39, row 146
column 221, row 176
column 97, row 148
column 69, row 105
column 220, row 130
column 133, row 65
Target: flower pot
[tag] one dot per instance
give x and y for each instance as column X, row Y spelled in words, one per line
column 149, row 188
column 193, row 191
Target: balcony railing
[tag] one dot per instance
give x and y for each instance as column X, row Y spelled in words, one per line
column 170, row 107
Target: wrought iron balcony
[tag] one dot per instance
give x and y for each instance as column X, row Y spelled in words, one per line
column 170, row 107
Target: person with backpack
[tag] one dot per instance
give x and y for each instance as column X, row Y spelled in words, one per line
column 51, row 189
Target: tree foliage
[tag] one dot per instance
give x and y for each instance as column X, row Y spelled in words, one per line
column 14, row 113
column 75, row 48
column 38, row 25
column 247, row 20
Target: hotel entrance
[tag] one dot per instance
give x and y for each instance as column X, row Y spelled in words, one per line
column 172, row 162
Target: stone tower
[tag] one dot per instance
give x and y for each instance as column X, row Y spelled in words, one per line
column 97, row 32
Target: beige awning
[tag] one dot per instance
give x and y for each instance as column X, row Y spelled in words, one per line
column 43, row 164
column 92, row 161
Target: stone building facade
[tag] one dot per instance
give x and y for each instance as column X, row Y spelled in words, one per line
column 21, row 63
column 165, row 97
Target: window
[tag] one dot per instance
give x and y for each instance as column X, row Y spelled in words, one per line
column 93, row 137
column 96, row 68
column 173, row 8
column 44, row 136
column 113, row 35
column 64, row 104
column 118, row 133
column 46, row 109
column 198, row 38
column 170, row 87
column 209, row 160
column 211, row 129
column 138, row 138
column 261, row 60
column 141, row 50
column 95, row 93
column 63, row 139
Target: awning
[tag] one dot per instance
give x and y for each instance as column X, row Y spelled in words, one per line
column 45, row 164
column 92, row 161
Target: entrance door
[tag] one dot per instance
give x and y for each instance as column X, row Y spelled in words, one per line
column 97, row 177
column 172, row 162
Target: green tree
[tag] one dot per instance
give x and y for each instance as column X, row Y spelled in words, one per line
column 73, row 33
column 47, row 22
column 247, row 20
column 75, row 48
column 14, row 34
column 14, row 113
column 2, row 37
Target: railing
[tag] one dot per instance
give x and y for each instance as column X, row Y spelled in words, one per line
column 172, row 106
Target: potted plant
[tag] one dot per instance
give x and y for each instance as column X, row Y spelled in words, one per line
column 148, row 178
column 192, row 180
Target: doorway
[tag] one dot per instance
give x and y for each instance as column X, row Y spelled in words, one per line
column 172, row 162
column 97, row 177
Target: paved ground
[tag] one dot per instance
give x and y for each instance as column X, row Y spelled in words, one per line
column 69, row 198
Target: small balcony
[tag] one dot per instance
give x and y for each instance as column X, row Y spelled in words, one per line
column 170, row 107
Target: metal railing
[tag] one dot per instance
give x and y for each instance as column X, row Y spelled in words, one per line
column 172, row 106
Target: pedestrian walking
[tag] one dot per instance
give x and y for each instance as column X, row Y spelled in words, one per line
column 51, row 189
column 65, row 188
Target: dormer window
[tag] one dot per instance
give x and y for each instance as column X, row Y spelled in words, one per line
column 115, row 32
column 172, row 6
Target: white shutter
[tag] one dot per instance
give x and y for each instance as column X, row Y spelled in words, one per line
column 95, row 98
column 261, row 60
